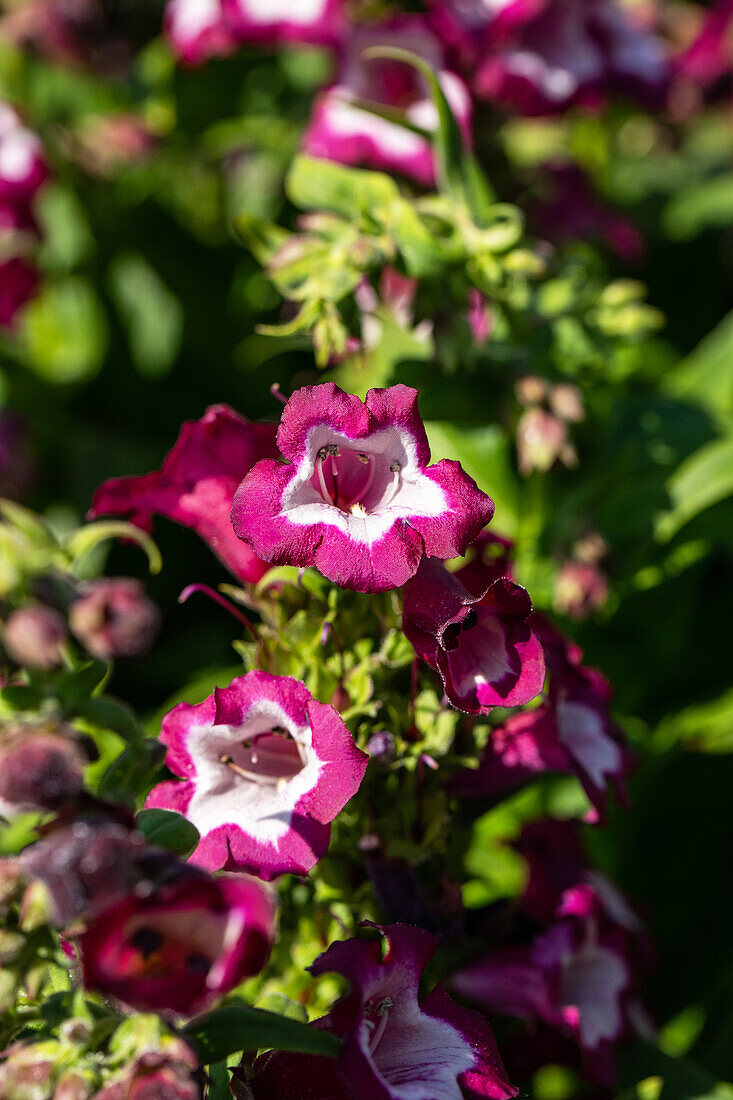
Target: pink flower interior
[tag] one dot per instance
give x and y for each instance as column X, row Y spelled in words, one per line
column 163, row 943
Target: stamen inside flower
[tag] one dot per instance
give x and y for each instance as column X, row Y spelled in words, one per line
column 271, row 758
column 357, row 482
column 376, row 1015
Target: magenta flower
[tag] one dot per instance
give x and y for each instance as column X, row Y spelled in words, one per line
column 196, row 484
column 481, row 645
column 708, row 61
column 358, row 499
column 573, row 732
column 396, row 1046
column 341, row 130
column 266, row 768
column 470, row 27
column 179, row 947
column 197, row 30
column 574, row 211
column 112, row 617
column 320, row 22
column 574, row 52
column 18, row 283
column 22, row 167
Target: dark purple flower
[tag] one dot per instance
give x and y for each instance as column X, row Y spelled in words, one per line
column 573, row 211
column 321, row 22
column 341, row 130
column 266, row 769
column 34, row 636
column 16, row 459
column 574, row 52
column 481, row 645
column 112, row 617
column 396, row 1045
column 196, row 484
column 357, row 499
column 180, row 946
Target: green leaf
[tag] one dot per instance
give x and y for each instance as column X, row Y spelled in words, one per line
column 110, row 714
column 706, row 375
column 86, row 538
column 704, row 479
column 656, row 1076
column 236, row 1027
column 706, row 727
column 80, row 684
column 133, row 772
column 168, row 830
column 218, row 1087
column 21, row 697
column 151, row 314
column 314, row 184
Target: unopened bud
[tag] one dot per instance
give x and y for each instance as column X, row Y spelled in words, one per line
column 531, row 390
column 73, row 1086
column 541, row 438
column 28, row 1071
column 39, row 770
column 566, row 401
column 381, row 747
column 580, row 589
column 34, row 636
column 114, row 618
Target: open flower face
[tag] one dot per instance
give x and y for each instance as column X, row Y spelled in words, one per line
column 396, row 1046
column 341, row 130
column 481, row 645
column 266, row 768
column 181, row 945
column 196, row 484
column 316, row 21
column 358, row 499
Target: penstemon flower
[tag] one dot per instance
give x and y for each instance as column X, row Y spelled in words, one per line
column 309, row 21
column 358, row 499
column 197, row 30
column 196, row 484
column 181, row 944
column 396, row 1045
column 266, row 768
column 481, row 645
column 342, row 130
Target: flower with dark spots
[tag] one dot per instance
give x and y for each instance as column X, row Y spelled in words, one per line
column 342, row 130
column 180, row 945
column 481, row 645
column 397, row 1046
column 112, row 617
column 196, row 484
column 265, row 770
column 357, row 498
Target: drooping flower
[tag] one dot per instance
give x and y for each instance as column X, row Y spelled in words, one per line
column 358, row 499
column 34, row 635
column 342, row 130
column 197, row 30
column 180, row 945
column 320, row 22
column 481, row 644
column 396, row 1045
column 573, row 732
column 266, row 769
column 581, row 588
column 579, row 974
column 196, row 484
column 112, row 617
column 574, row 52
column 41, row 767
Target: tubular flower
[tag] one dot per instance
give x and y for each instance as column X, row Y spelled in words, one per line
column 113, row 617
column 342, row 130
column 310, row 21
column 197, row 30
column 181, row 945
column 266, row 768
column 470, row 27
column 196, row 483
column 481, row 645
column 574, row 51
column 22, row 167
column 357, row 498
column 396, row 1047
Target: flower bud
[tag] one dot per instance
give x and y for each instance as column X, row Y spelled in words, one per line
column 566, row 401
column 541, row 437
column 40, row 769
column 33, row 636
column 114, row 618
column 580, row 589
column 28, row 1071
column 73, row 1085
column 531, row 390
column 381, row 747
